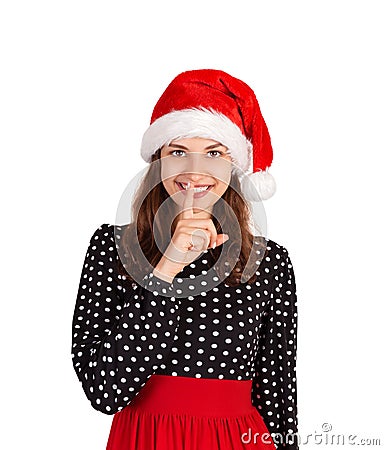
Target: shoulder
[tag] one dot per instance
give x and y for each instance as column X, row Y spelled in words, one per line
column 106, row 243
column 108, row 233
column 105, row 230
column 103, row 248
column 102, row 241
column 276, row 258
column 276, row 250
column 278, row 263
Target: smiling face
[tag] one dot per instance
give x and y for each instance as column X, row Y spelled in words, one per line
column 204, row 163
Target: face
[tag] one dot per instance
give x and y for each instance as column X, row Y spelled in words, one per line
column 201, row 162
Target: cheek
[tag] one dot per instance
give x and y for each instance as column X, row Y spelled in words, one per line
column 222, row 170
column 167, row 177
column 222, row 187
column 224, row 178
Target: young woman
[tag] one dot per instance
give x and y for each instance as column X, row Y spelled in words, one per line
column 185, row 324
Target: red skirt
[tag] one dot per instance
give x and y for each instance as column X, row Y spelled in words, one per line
column 185, row 413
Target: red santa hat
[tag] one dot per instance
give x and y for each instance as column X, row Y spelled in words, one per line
column 214, row 105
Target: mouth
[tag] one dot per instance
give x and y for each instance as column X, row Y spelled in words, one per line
column 201, row 188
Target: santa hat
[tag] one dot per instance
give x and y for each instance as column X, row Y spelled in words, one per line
column 214, row 105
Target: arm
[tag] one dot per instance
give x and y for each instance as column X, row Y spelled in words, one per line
column 274, row 383
column 121, row 332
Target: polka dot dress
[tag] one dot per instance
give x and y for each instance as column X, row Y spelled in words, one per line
column 124, row 332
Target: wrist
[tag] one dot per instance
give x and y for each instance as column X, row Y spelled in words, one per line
column 167, row 269
column 163, row 276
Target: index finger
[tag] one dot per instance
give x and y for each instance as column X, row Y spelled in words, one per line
column 187, row 212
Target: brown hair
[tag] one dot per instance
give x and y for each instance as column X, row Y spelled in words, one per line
column 228, row 215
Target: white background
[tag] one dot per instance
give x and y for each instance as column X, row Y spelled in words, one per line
column 79, row 80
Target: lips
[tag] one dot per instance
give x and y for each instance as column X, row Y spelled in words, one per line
column 196, row 186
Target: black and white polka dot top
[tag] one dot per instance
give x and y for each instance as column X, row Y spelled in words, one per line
column 124, row 332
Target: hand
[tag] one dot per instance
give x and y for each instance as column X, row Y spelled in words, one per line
column 192, row 236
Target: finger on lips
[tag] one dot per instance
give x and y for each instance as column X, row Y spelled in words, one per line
column 188, row 203
column 187, row 214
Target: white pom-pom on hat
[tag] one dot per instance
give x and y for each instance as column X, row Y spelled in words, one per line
column 258, row 186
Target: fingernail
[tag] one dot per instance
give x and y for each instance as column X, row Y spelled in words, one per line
column 226, row 237
column 214, row 245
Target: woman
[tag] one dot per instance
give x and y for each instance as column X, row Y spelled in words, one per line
column 185, row 325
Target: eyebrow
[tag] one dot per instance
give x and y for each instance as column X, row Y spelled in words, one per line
column 186, row 148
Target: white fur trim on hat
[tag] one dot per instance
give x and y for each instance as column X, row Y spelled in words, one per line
column 197, row 122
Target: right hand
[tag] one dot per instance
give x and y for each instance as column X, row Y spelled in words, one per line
column 192, row 236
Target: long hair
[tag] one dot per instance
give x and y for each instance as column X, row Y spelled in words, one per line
column 141, row 252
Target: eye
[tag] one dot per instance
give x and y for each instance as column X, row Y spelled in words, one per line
column 216, row 151
column 213, row 153
column 172, row 152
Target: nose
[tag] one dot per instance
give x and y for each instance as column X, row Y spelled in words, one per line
column 196, row 167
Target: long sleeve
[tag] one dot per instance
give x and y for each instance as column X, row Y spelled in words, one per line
column 121, row 332
column 274, row 382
